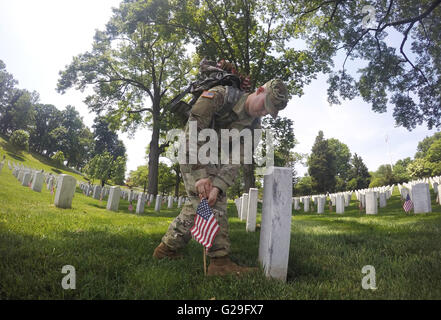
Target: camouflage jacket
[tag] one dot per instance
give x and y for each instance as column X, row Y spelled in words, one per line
column 204, row 112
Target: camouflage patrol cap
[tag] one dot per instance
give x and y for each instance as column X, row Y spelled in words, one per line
column 277, row 96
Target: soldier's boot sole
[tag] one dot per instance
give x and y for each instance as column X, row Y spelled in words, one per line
column 164, row 252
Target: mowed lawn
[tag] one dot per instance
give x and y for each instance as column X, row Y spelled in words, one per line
column 112, row 253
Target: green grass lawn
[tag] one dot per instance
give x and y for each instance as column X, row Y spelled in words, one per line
column 112, row 253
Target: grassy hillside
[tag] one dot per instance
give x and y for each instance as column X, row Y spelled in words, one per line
column 33, row 160
column 112, row 252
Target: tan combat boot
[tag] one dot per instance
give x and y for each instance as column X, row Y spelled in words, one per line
column 224, row 266
column 163, row 251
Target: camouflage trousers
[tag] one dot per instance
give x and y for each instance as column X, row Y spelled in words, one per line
column 178, row 233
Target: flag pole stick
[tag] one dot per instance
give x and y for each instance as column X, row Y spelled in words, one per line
column 205, row 261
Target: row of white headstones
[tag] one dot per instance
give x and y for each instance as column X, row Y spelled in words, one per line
column 115, row 194
column 64, row 186
column 276, row 211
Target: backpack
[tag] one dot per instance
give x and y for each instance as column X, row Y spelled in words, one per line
column 211, row 74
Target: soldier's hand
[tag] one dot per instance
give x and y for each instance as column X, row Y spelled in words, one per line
column 203, row 187
column 212, row 197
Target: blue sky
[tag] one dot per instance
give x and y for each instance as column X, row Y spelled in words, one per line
column 39, row 38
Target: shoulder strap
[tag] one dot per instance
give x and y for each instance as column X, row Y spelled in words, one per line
column 232, row 96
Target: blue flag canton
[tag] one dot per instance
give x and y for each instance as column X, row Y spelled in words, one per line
column 204, row 210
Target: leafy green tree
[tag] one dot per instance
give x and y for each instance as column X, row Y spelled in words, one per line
column 7, row 85
column 18, row 112
column 400, row 170
column 119, row 170
column 383, row 176
column 106, row 139
column 139, row 177
column 20, row 139
column 132, row 61
column 407, row 74
column 305, row 186
column 424, row 145
column 58, row 157
column 360, row 173
column 322, row 166
column 419, row 168
column 167, row 179
column 434, row 152
column 342, row 158
column 46, row 119
column 100, row 167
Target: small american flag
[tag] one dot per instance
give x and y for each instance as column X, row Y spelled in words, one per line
column 130, row 207
column 52, row 190
column 408, row 205
column 205, row 225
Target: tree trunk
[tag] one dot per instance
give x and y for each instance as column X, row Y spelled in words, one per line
column 248, row 177
column 154, row 151
column 178, row 181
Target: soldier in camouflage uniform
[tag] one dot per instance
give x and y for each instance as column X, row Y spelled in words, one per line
column 212, row 181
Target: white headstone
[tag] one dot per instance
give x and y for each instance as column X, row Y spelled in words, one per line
column 382, row 199
column 275, row 232
column 244, row 207
column 421, row 198
column 37, row 184
column 296, row 203
column 158, row 203
column 306, row 204
column 141, row 204
column 238, row 203
column 170, row 202
column 26, row 179
column 96, row 192
column 371, row 202
column 321, row 204
column 339, row 204
column 113, row 200
column 65, row 191
column 252, row 210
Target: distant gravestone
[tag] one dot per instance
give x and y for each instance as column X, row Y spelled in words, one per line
column 382, row 199
column 371, row 203
column 114, row 198
column 296, row 204
column 347, row 199
column 37, row 184
column 65, row 191
column 158, row 203
column 50, row 184
column 252, row 210
column 20, row 175
column 339, row 204
column 306, row 204
column 321, row 201
column 439, row 193
column 141, row 204
column 170, row 202
column 26, row 179
column 238, row 203
column 244, row 207
column 96, row 192
column 275, row 234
